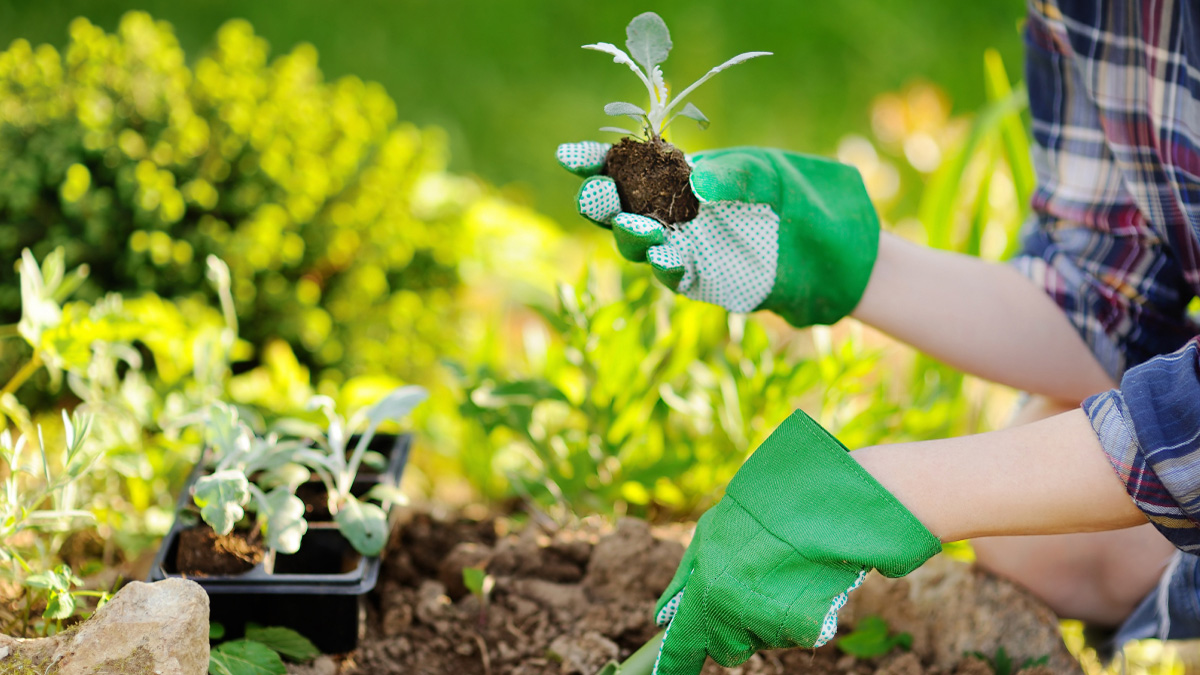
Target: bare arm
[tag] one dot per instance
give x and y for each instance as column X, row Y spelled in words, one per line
column 982, row 318
column 1048, row 477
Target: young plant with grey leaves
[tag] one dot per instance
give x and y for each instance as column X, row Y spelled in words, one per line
column 224, row 494
column 363, row 523
column 649, row 43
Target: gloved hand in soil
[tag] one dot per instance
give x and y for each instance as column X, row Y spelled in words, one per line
column 776, row 230
column 770, row 565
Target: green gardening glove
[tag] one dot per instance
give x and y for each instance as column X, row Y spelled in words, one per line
column 770, row 565
column 776, row 230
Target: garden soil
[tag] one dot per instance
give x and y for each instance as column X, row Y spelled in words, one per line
column 567, row 600
column 652, row 180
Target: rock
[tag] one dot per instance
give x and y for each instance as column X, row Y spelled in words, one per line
column 159, row 628
column 631, row 563
column 584, row 654
column 550, row 594
column 951, row 608
column 322, row 665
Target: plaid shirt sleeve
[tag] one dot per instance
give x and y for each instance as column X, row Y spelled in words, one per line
column 1150, row 429
column 1115, row 238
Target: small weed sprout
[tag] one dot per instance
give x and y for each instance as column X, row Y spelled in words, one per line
column 649, row 42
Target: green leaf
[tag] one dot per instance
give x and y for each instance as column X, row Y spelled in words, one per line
column 286, row 641
column 221, row 497
column 648, row 40
column 215, row 630
column 473, row 578
column 245, row 657
column 870, row 638
column 285, row 525
column 364, row 524
column 60, row 606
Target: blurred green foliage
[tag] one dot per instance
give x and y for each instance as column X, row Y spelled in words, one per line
column 338, row 224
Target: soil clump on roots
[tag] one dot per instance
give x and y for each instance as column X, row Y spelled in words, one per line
column 565, row 601
column 652, row 180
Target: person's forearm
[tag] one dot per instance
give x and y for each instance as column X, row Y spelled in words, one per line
column 982, row 318
column 1047, row 477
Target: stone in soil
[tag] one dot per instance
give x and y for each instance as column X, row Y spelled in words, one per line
column 652, row 180
column 568, row 600
column 157, row 628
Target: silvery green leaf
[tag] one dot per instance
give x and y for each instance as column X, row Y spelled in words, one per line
column 692, row 112
column 619, row 55
column 648, row 40
column 619, row 108
column 387, row 494
column 397, row 404
column 290, row 426
column 618, row 130
column 221, row 496
column 738, row 59
column 364, row 524
column 731, row 62
column 285, row 520
column 289, row 474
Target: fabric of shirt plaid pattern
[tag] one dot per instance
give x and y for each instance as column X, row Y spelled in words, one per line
column 1114, row 92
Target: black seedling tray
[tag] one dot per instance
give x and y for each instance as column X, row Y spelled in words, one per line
column 319, row 591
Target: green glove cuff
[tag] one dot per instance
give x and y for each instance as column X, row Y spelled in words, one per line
column 837, row 512
column 829, row 232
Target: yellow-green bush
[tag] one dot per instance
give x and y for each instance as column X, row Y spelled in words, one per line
column 337, row 221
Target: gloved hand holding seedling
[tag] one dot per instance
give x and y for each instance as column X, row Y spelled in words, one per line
column 743, row 228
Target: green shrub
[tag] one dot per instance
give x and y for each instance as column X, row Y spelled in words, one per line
column 338, row 222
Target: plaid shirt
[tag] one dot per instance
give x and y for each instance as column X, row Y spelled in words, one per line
column 1114, row 91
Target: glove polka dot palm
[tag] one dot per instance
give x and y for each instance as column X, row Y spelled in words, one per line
column 790, row 233
column 583, row 159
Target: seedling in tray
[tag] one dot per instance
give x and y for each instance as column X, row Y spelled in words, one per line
column 362, row 522
column 239, row 454
column 650, row 173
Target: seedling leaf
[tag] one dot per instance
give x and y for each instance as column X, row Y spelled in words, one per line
column 475, row 578
column 216, row 631
column 692, row 112
column 286, row 641
column 648, row 40
column 221, row 497
column 364, row 524
column 871, row 638
column 618, row 130
column 398, row 403
column 618, row 108
column 285, row 520
column 245, row 657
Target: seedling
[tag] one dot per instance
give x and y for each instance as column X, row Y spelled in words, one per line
column 363, row 523
column 651, row 174
column 873, row 637
column 223, row 494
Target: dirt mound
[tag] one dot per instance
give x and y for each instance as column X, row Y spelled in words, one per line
column 569, row 600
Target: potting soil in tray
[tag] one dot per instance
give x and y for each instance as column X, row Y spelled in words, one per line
column 563, row 602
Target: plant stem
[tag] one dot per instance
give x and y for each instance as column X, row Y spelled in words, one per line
column 23, row 374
